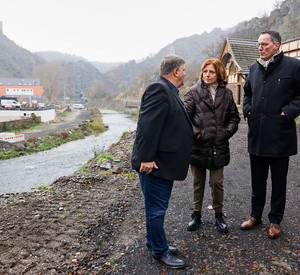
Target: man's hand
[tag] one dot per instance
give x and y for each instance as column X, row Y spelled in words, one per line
column 148, row 167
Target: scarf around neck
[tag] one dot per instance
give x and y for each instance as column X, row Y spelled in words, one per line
column 266, row 63
column 212, row 88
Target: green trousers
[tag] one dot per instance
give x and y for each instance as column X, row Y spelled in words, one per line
column 216, row 178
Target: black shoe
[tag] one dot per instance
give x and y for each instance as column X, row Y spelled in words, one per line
column 194, row 224
column 172, row 249
column 170, row 261
column 220, row 223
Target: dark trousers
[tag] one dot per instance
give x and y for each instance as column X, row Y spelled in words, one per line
column 157, row 193
column 259, row 173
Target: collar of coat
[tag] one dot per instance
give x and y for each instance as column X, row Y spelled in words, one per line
column 206, row 96
column 274, row 58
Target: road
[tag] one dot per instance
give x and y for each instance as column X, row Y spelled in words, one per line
column 74, row 118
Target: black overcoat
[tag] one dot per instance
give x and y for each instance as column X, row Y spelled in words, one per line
column 164, row 132
column 213, row 125
column 268, row 93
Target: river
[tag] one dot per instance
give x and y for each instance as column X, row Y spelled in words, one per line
column 23, row 173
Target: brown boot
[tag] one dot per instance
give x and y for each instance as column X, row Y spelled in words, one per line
column 250, row 223
column 274, row 230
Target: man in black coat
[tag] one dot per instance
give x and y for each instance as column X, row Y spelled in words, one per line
column 271, row 104
column 161, row 152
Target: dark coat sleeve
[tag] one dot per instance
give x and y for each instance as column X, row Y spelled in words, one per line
column 292, row 109
column 190, row 102
column 233, row 119
column 154, row 109
column 247, row 106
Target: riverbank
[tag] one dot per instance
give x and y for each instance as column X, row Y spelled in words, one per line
column 93, row 223
column 40, row 169
column 50, row 136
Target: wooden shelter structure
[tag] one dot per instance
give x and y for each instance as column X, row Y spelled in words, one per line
column 237, row 55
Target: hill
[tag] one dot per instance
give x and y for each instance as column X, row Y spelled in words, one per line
column 130, row 77
column 109, row 80
column 50, row 56
column 195, row 49
column 16, row 61
column 78, row 72
column 284, row 18
column 104, row 67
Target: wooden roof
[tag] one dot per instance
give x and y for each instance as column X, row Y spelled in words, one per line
column 243, row 51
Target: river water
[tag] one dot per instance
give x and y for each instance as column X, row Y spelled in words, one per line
column 23, row 173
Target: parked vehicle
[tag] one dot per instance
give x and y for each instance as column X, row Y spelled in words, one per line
column 41, row 105
column 9, row 103
column 78, row 106
column 51, row 106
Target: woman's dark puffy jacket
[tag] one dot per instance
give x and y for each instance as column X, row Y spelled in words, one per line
column 213, row 123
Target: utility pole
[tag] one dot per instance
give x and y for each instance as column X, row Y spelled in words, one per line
column 65, row 94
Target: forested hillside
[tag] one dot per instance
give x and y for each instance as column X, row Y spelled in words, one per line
column 130, row 79
column 106, row 81
column 74, row 74
column 16, row 61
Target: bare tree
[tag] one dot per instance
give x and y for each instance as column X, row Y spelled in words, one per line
column 52, row 77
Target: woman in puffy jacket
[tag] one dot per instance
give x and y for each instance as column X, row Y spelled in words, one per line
column 215, row 119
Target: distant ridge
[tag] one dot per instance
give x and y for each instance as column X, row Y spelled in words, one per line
column 107, row 80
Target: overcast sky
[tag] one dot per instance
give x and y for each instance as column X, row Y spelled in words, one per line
column 118, row 30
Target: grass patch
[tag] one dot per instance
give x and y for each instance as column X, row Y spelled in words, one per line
column 104, row 157
column 33, row 126
column 126, row 133
column 82, row 169
column 63, row 115
column 97, row 123
column 12, row 203
column 44, row 188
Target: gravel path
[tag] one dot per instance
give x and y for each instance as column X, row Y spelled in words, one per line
column 93, row 223
column 72, row 120
column 208, row 251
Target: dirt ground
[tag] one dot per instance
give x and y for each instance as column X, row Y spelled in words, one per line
column 93, row 223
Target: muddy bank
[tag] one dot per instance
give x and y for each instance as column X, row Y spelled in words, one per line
column 93, row 223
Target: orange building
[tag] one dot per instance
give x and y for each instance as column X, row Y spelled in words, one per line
column 22, row 88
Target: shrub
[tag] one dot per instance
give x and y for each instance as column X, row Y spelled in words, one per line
column 97, row 123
